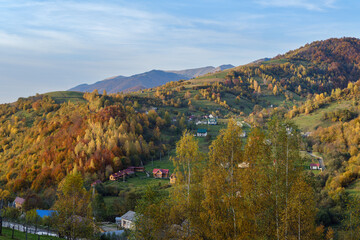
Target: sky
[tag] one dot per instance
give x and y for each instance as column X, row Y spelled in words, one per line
column 55, row 45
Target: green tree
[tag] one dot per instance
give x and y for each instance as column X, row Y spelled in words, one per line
column 221, row 215
column 301, row 211
column 275, row 90
column 74, row 213
column 188, row 172
column 284, row 139
column 351, row 221
column 154, row 210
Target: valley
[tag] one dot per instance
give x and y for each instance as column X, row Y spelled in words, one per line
column 306, row 100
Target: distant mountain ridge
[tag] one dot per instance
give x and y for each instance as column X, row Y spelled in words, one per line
column 149, row 79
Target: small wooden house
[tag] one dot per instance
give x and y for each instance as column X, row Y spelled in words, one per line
column 172, row 178
column 161, row 173
column 126, row 172
column 118, row 175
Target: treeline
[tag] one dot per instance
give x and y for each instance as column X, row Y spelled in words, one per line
column 259, row 191
column 317, row 101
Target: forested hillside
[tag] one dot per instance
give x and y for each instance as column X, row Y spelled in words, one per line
column 42, row 141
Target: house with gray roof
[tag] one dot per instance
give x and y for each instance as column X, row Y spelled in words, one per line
column 127, row 220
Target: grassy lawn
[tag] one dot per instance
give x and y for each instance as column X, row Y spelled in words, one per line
column 220, row 75
column 310, row 122
column 21, row 235
column 141, row 181
column 64, row 96
column 275, row 61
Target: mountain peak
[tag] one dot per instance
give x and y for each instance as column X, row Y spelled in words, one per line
column 152, row 78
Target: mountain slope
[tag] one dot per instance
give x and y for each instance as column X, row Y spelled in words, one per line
column 149, row 79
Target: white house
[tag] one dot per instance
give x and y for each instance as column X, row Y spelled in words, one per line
column 201, row 133
column 126, row 220
column 243, row 165
column 201, row 123
column 212, row 121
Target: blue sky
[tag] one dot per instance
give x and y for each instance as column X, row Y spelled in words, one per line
column 55, row 45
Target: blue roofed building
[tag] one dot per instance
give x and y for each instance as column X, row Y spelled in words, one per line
column 44, row 213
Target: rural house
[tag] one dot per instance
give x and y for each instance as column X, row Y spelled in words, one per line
column 45, row 213
column 93, row 184
column 161, row 173
column 126, row 172
column 18, row 202
column 137, row 169
column 172, row 178
column 314, row 166
column 201, row 133
column 212, row 121
column 127, row 220
column 243, row 165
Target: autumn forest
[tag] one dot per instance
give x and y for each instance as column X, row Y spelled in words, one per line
column 249, row 177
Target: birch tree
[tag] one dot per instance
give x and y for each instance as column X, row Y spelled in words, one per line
column 221, row 206
column 188, row 174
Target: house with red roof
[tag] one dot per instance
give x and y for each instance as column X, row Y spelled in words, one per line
column 96, row 182
column 161, row 173
column 314, row 166
column 19, row 202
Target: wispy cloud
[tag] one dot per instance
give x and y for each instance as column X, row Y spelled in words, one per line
column 54, row 43
column 312, row 5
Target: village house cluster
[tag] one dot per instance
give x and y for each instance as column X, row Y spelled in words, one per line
column 125, row 173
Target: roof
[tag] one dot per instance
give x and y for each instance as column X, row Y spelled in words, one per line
column 111, row 233
column 96, row 182
column 132, row 168
column 202, row 130
column 130, row 215
column 128, row 171
column 44, row 213
column 19, row 200
column 314, row 165
column 161, row 170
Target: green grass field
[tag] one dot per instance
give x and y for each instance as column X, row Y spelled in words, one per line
column 140, row 182
column 64, row 96
column 310, row 122
column 7, row 233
